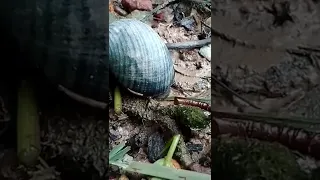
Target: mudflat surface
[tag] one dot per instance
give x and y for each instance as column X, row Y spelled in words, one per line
column 268, row 51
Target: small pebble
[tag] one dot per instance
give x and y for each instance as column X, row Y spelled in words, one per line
column 123, row 177
column 155, row 146
column 205, row 51
column 194, row 147
column 188, row 23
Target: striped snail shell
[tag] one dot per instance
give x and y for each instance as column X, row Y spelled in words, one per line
column 139, row 59
column 66, row 40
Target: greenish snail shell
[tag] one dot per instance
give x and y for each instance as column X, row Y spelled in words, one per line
column 138, row 58
column 67, row 41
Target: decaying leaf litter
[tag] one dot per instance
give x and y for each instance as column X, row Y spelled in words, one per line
column 191, row 79
column 74, row 138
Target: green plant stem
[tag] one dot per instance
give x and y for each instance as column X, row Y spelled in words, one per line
column 167, row 146
column 117, row 101
column 28, row 130
column 168, row 158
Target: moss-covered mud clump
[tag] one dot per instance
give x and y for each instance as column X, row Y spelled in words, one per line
column 316, row 174
column 241, row 159
column 191, row 117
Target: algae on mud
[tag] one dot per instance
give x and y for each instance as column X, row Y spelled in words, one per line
column 191, row 117
column 162, row 117
column 239, row 159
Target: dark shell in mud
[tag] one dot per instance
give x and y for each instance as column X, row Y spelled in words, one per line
column 139, row 59
column 66, row 40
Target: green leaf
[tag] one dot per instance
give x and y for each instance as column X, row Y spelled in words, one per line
column 167, row 146
column 115, row 150
column 120, row 154
column 164, row 172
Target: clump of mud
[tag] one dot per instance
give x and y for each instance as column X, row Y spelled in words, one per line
column 239, row 159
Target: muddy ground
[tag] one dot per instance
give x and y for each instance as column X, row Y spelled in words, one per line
column 251, row 50
column 267, row 51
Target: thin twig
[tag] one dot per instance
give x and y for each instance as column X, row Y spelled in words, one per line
column 158, row 8
column 190, row 75
column 315, row 49
column 315, row 61
column 263, row 117
column 229, row 38
column 189, row 44
column 82, row 99
column 234, row 93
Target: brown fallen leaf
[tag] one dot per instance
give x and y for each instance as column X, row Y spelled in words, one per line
column 111, row 8
column 142, row 5
column 175, row 164
column 159, row 17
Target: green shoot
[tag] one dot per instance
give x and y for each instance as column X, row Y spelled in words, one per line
column 117, row 101
column 167, row 146
column 118, row 152
column 168, row 158
column 157, row 171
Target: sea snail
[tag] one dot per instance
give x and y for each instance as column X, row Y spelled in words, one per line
column 138, row 58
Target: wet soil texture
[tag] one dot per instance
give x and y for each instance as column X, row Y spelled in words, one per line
column 268, row 51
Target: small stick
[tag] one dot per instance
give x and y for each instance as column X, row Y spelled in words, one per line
column 177, row 71
column 234, row 93
column 189, row 44
column 120, row 11
column 190, row 102
column 82, row 99
column 310, row 48
column 158, row 8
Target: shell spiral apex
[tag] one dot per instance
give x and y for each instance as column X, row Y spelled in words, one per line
column 138, row 58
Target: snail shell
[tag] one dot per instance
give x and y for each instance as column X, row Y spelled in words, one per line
column 139, row 59
column 66, row 40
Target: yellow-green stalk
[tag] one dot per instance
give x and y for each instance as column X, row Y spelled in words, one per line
column 117, row 101
column 28, row 130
